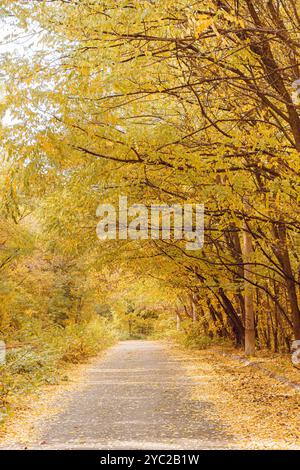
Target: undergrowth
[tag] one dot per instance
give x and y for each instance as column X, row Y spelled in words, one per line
column 40, row 354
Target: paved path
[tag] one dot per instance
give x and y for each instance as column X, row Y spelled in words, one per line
column 136, row 397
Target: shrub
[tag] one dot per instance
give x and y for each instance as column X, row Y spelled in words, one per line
column 193, row 336
column 46, row 351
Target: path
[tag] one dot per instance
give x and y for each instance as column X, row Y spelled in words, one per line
column 137, row 397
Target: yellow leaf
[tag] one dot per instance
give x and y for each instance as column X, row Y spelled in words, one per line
column 204, row 22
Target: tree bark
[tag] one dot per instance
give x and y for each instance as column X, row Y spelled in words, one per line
column 249, row 304
column 282, row 254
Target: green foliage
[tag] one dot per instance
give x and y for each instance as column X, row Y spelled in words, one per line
column 193, row 336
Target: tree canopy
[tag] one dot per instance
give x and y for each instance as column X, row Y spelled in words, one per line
column 164, row 102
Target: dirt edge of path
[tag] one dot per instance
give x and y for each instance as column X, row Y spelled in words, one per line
column 261, row 412
column 265, row 370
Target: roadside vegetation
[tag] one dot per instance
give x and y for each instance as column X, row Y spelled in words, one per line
column 41, row 355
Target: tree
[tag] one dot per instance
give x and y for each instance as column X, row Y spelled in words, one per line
column 166, row 104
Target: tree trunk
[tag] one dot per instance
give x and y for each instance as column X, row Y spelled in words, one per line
column 194, row 311
column 233, row 318
column 178, row 321
column 249, row 305
column 282, row 254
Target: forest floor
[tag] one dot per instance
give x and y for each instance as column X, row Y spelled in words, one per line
column 150, row 395
column 260, row 411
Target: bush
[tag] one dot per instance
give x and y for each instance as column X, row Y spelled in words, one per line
column 192, row 336
column 43, row 359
